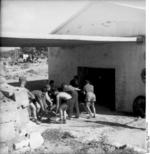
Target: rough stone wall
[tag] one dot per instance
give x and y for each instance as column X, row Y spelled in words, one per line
column 13, row 109
column 127, row 59
column 13, row 114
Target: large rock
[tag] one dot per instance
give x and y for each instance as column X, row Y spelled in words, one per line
column 22, row 118
column 3, row 148
column 36, row 140
column 32, row 141
column 7, row 132
column 8, row 117
column 13, row 111
column 14, row 104
column 8, row 111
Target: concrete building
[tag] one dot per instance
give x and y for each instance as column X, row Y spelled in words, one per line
column 113, row 67
column 104, row 42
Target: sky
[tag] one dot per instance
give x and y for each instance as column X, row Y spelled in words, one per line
column 43, row 16
column 32, row 16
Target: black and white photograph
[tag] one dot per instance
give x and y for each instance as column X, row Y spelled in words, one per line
column 73, row 77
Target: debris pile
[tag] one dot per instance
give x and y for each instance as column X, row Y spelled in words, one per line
column 28, row 142
column 14, row 117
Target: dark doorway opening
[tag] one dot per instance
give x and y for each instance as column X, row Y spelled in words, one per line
column 103, row 80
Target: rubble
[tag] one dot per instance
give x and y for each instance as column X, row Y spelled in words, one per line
column 13, row 112
column 29, row 141
column 21, row 144
column 36, row 140
column 3, row 148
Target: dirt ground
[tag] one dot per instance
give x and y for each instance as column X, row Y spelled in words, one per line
column 108, row 133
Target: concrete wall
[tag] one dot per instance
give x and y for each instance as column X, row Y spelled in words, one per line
column 127, row 59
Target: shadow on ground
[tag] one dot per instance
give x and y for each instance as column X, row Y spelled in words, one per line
column 115, row 124
column 105, row 110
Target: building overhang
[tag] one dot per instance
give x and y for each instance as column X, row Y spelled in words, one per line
column 53, row 40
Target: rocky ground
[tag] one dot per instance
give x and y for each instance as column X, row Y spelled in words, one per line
column 33, row 71
column 108, row 133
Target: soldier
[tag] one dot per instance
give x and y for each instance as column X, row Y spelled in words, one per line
column 33, row 106
column 90, row 98
column 63, row 100
column 74, row 100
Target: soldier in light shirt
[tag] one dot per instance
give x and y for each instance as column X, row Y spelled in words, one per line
column 62, row 101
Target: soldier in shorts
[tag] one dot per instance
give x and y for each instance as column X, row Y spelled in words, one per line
column 90, row 99
column 33, row 106
column 62, row 101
